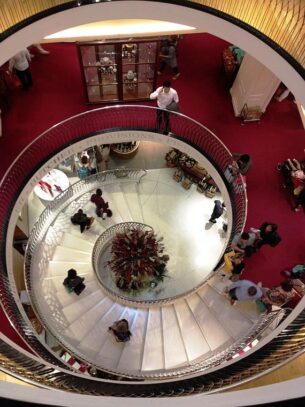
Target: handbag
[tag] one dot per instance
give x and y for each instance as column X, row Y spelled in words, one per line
column 12, row 80
column 173, row 107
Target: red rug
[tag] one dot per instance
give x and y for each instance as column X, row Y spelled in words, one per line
column 58, row 93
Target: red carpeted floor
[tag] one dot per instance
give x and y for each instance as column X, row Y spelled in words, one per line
column 58, row 93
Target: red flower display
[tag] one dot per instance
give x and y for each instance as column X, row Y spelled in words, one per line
column 137, row 258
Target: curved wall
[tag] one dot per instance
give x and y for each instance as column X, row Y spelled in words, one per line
column 203, row 22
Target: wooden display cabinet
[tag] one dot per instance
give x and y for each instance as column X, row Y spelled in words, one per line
column 119, row 71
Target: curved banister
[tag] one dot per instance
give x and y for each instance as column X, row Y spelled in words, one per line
column 281, row 349
column 73, row 193
column 130, row 120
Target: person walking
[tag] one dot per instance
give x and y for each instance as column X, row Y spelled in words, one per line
column 102, row 208
column 165, row 96
column 244, row 290
column 168, row 57
column 81, row 219
column 217, row 211
column 20, row 64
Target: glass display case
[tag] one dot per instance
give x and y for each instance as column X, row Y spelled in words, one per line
column 119, row 70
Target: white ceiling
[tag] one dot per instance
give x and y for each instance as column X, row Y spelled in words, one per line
column 118, row 28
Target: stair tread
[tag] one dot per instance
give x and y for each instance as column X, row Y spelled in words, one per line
column 194, row 341
column 233, row 321
column 174, row 350
column 153, row 348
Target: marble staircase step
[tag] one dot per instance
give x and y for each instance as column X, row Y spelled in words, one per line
column 233, row 321
column 118, row 202
column 92, row 343
column 60, row 268
column 194, row 341
column 130, row 192
column 111, row 351
column 174, row 349
column 132, row 354
column 87, row 321
column 76, row 309
column 65, row 254
column 77, row 243
column 64, row 298
column 153, row 354
column 212, row 329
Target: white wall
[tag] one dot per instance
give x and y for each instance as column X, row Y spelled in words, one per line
column 159, row 11
column 254, row 85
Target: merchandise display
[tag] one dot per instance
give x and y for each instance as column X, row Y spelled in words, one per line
column 189, row 172
column 117, row 70
column 125, row 150
column 51, row 185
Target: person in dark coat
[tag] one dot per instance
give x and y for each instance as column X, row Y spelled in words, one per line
column 217, row 211
column 267, row 234
column 74, row 283
column 81, row 219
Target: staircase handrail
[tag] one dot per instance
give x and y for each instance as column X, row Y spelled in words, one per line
column 81, row 127
column 66, row 197
column 282, row 349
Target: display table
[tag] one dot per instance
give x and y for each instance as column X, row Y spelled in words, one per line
column 51, row 185
column 125, row 150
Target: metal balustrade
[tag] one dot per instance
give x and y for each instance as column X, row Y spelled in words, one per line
column 128, row 119
column 35, row 270
column 287, row 345
column 131, row 119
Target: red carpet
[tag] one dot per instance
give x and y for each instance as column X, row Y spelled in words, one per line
column 58, row 94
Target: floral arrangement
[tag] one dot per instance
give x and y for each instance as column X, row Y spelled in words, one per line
column 137, row 259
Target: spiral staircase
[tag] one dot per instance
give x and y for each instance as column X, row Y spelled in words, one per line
column 176, row 326
column 187, row 333
column 166, row 376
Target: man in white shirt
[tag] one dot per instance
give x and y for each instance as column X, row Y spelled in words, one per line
column 165, row 95
column 20, row 64
column 244, row 290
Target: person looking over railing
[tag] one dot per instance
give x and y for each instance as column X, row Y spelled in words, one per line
column 244, row 162
column 234, row 264
column 165, row 96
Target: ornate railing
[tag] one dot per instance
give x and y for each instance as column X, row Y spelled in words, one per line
column 67, row 197
column 279, row 23
column 124, row 123
column 36, row 266
column 287, row 345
